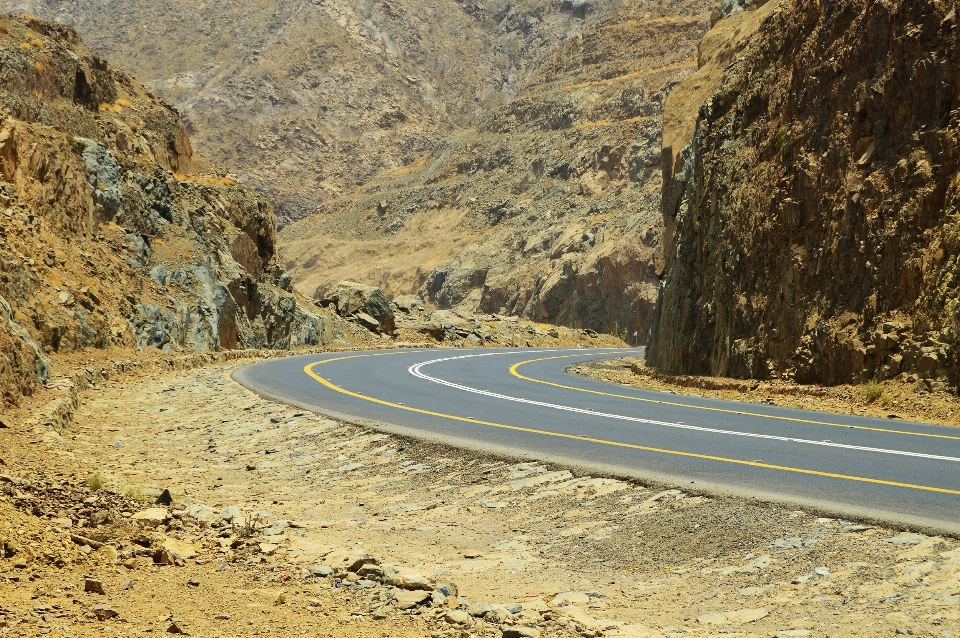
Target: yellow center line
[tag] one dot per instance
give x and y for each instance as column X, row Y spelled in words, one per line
column 768, row 466
column 515, row 367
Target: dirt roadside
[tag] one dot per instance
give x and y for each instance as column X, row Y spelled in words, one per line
column 283, row 521
column 892, row 399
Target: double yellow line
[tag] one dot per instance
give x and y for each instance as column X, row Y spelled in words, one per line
column 309, row 369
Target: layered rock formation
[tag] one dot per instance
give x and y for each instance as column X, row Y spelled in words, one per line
column 548, row 210
column 306, row 100
column 814, row 217
column 112, row 232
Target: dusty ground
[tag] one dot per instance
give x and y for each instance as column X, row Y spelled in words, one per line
column 626, row 559
column 893, row 399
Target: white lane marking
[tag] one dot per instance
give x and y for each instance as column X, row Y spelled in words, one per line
column 415, row 370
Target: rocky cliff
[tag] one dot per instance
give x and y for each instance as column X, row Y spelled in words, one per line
column 548, row 209
column 814, row 218
column 306, row 100
column 112, row 232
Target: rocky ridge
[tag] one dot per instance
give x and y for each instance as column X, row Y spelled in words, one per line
column 113, row 233
column 306, row 100
column 812, row 219
column 548, row 210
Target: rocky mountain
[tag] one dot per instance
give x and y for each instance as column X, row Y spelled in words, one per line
column 548, row 209
column 113, row 234
column 305, row 100
column 813, row 202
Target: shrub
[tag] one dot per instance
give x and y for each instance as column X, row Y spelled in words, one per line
column 4, row 28
column 781, row 136
column 95, row 482
column 872, row 390
column 38, row 67
column 25, row 46
column 124, row 102
column 37, row 43
column 886, row 400
column 134, row 127
column 104, row 107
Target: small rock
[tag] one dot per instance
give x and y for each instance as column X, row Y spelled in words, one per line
column 457, row 617
column 102, row 612
column 381, row 613
column 410, row 599
column 571, row 598
column 127, row 586
column 152, row 517
column 193, row 582
column 174, row 628
column 478, row 610
column 320, row 570
column 164, row 499
column 447, row 589
column 787, row 543
column 521, row 632
column 906, row 539
column 823, row 572
column 268, row 549
column 222, row 617
column 230, row 513
column 93, row 586
column 515, row 608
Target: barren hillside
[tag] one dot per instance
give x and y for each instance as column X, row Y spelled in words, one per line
column 813, row 218
column 306, row 100
column 548, row 209
column 113, row 234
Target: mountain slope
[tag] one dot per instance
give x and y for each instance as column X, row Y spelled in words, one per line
column 548, row 209
column 813, row 218
column 113, row 234
column 307, row 100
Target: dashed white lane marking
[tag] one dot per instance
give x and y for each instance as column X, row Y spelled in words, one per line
column 416, row 371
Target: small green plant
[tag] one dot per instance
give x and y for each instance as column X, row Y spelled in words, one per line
column 95, row 482
column 781, row 137
column 872, row 390
column 886, row 400
column 621, row 334
column 136, row 493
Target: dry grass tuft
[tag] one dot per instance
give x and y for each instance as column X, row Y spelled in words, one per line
column 104, row 107
column 37, row 43
column 872, row 390
column 124, row 102
column 134, row 127
column 38, row 67
column 4, row 28
column 25, row 46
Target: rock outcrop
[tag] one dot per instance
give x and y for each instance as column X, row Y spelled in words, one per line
column 112, row 232
column 548, row 210
column 814, row 218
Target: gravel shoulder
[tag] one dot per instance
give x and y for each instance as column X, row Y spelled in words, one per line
column 892, row 399
column 287, row 521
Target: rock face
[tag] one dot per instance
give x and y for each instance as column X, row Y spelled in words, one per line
column 549, row 209
column 306, row 100
column 112, row 233
column 349, row 298
column 814, row 219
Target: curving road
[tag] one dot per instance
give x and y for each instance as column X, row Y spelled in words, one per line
column 523, row 403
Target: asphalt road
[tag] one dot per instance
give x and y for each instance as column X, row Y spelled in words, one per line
column 522, row 402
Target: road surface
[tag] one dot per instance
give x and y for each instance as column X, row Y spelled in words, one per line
column 523, row 403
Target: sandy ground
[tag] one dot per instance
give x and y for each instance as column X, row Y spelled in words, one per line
column 892, row 399
column 407, row 539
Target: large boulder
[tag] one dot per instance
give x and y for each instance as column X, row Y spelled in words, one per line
column 351, row 298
